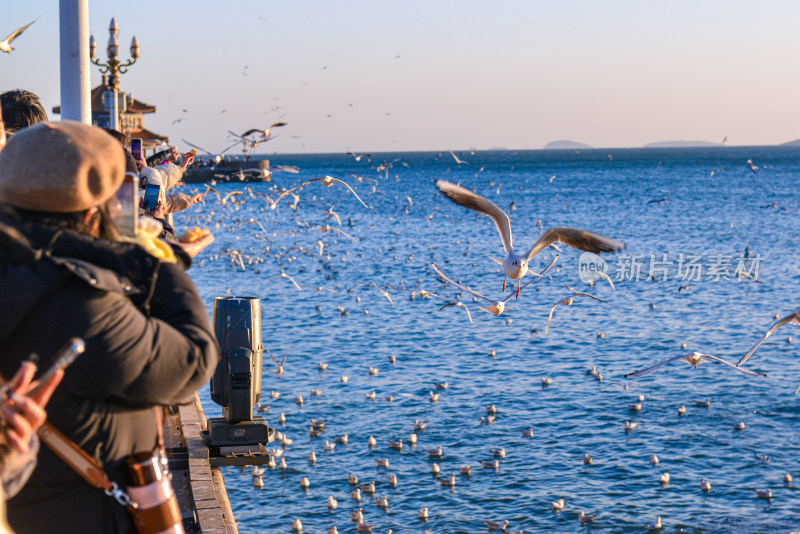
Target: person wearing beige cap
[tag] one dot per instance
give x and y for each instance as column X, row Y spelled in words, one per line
column 148, row 337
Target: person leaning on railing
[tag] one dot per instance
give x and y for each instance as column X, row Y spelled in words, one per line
column 63, row 274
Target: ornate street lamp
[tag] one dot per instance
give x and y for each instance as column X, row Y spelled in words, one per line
column 113, row 67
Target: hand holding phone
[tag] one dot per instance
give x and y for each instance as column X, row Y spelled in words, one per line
column 151, row 195
column 22, row 406
column 136, row 148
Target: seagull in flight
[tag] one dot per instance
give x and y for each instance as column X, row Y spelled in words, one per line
column 794, row 318
column 5, row 45
column 693, row 359
column 384, row 293
column 215, row 157
column 567, row 302
column 515, row 265
column 328, row 181
column 458, row 161
column 265, row 135
column 358, row 156
column 494, row 307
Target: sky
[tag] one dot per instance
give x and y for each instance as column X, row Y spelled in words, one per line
column 440, row 75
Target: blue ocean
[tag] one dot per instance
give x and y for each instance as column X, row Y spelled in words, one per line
column 711, row 258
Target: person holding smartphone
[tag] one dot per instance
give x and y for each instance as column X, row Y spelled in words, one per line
column 22, row 416
column 148, row 337
column 167, row 176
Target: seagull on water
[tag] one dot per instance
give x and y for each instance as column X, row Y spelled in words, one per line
column 693, row 359
column 491, row 525
column 515, row 265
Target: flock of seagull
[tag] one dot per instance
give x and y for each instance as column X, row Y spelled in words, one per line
column 271, row 251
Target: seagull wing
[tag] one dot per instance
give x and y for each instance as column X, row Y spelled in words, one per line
column 282, row 195
column 17, row 33
column 653, row 368
column 579, row 294
column 288, row 168
column 263, row 197
column 335, row 216
column 352, row 191
column 230, row 147
column 350, row 237
column 469, row 315
column 550, row 316
column 608, row 279
column 459, row 286
column 284, row 358
column 789, row 319
column 575, row 238
column 468, row 199
column 284, row 275
column 273, row 357
column 276, row 125
column 231, row 194
column 197, row 147
column 740, row 369
column 209, row 188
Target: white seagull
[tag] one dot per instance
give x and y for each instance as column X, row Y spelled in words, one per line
column 279, row 368
column 494, row 307
column 693, row 359
column 515, row 265
column 328, row 181
column 794, row 318
column 567, row 302
column 5, row 45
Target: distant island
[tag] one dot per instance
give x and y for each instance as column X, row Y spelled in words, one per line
column 564, row 144
column 681, row 144
column 796, row 142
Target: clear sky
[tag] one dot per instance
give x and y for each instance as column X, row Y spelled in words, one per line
column 436, row 75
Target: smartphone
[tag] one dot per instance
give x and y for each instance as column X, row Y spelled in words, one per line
column 136, row 148
column 151, row 193
column 126, row 211
column 68, row 353
column 74, row 348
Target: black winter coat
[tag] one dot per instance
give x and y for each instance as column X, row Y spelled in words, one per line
column 148, row 343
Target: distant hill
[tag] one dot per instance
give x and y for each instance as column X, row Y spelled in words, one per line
column 796, row 142
column 681, row 144
column 564, row 144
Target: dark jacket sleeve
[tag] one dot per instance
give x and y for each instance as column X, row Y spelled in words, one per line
column 144, row 360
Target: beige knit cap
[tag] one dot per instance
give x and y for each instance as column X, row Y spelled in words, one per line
column 60, row 167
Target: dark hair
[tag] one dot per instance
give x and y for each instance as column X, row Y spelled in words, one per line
column 123, row 138
column 69, row 221
column 21, row 109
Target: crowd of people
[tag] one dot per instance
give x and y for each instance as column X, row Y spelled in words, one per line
column 66, row 271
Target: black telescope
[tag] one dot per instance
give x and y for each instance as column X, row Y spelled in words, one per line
column 236, row 384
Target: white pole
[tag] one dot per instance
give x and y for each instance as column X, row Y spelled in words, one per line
column 75, row 75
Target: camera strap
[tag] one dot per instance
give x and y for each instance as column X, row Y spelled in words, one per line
column 83, row 464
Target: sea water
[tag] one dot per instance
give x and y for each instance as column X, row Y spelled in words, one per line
column 689, row 217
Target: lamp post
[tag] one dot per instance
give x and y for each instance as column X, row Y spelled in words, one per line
column 113, row 67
